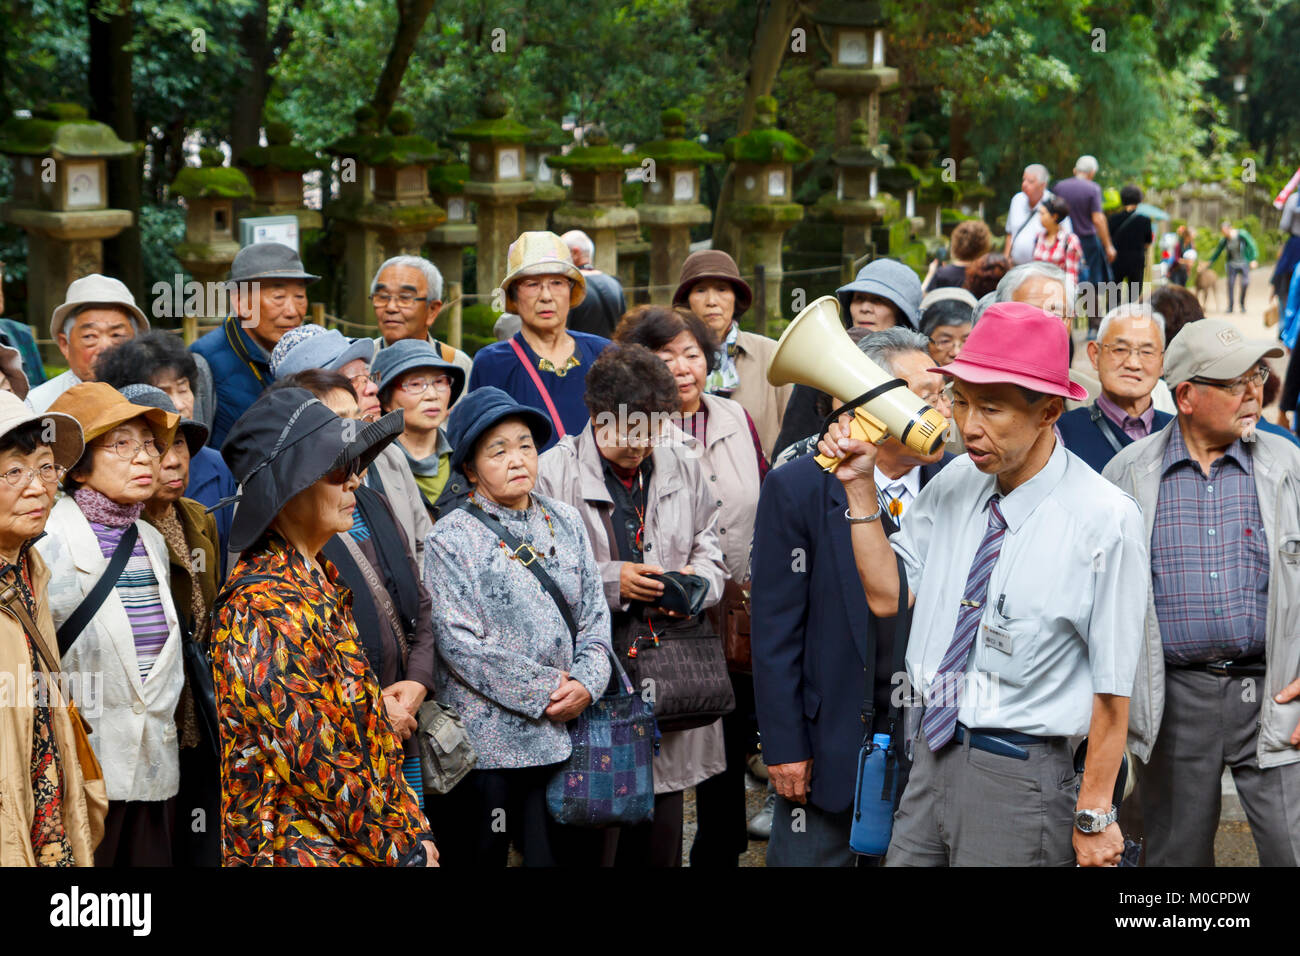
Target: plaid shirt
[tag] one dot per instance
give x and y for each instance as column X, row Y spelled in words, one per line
column 1065, row 251
column 1209, row 557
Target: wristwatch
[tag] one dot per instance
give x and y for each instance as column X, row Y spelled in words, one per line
column 1094, row 821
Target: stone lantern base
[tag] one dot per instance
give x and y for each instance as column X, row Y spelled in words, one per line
column 602, row 224
column 670, row 241
column 498, row 226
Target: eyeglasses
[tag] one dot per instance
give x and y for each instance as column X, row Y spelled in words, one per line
column 20, row 477
column 947, row 341
column 128, row 448
column 380, row 300
column 418, row 386
column 533, row 287
column 341, row 474
column 1237, row 387
column 1123, row 352
column 359, row 382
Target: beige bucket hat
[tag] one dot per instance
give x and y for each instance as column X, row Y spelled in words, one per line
column 67, row 443
column 96, row 289
column 541, row 254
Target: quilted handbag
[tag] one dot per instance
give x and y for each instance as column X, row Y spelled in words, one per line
column 608, row 779
column 679, row 664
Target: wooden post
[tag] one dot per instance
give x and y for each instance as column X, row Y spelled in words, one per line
column 318, row 313
column 760, row 298
column 455, row 292
column 189, row 328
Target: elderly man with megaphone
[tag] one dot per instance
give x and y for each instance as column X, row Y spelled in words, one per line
column 1025, row 579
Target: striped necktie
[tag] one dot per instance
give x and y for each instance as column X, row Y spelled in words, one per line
column 940, row 721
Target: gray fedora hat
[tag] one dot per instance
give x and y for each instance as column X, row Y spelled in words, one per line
column 268, row 260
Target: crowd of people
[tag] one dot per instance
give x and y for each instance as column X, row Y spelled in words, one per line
column 333, row 601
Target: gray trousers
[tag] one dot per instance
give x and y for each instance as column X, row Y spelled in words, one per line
column 966, row 807
column 813, row 837
column 1211, row 722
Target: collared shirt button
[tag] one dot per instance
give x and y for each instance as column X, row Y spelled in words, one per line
column 713, row 477
column 1211, row 531
column 1214, row 575
column 1210, row 488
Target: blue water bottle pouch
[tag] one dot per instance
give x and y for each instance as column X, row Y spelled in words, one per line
column 875, row 797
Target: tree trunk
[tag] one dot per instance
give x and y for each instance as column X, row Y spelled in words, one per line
column 411, row 15
column 111, row 98
column 771, row 40
column 249, row 99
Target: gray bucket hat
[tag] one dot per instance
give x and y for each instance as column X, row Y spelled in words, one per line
column 891, row 280
column 314, row 346
column 268, row 260
column 406, row 354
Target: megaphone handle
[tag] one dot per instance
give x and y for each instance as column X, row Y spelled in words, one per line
column 864, row 427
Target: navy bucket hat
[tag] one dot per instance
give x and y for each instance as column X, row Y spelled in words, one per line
column 407, row 354
column 889, row 279
column 480, row 410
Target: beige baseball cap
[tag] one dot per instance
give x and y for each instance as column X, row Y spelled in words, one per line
column 1213, row 348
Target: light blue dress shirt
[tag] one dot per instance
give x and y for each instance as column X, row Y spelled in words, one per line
column 1066, row 602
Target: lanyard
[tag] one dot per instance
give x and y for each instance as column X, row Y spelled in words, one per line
column 241, row 351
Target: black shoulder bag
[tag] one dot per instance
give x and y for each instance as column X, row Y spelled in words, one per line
column 92, row 602
column 881, row 765
column 1095, row 414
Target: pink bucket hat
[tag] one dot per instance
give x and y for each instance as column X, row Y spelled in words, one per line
column 1017, row 344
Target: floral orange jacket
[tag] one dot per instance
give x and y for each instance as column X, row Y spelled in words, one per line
column 310, row 767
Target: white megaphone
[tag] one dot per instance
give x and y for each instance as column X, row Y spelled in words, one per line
column 815, row 350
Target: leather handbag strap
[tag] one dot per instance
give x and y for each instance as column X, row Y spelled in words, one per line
column 377, row 589
column 1096, row 415
column 13, row 603
column 533, row 565
column 537, row 381
column 92, row 602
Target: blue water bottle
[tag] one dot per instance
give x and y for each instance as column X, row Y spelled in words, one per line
column 875, row 796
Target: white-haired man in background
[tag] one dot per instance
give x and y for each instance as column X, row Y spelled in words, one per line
column 1023, row 224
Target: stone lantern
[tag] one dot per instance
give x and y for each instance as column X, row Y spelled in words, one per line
column 597, row 170
column 447, row 242
column 275, row 172
column 535, row 212
column 60, row 198
column 857, row 74
column 902, row 181
column 934, row 192
column 857, row 205
column 972, row 190
column 209, row 191
column 670, row 203
column 399, row 213
column 763, row 206
column 498, row 184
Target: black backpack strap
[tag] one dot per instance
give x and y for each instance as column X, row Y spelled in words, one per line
column 529, row 559
column 1096, row 415
column 92, row 602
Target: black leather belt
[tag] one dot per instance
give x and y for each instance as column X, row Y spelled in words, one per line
column 1241, row 667
column 1004, row 743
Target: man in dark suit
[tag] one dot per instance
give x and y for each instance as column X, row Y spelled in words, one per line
column 811, row 626
column 1128, row 355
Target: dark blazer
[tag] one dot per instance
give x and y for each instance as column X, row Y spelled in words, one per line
column 1083, row 436
column 810, row 628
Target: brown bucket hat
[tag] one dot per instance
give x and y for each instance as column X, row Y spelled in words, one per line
column 99, row 408
column 712, row 264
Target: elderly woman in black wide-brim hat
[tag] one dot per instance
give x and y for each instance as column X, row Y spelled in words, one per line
column 311, row 770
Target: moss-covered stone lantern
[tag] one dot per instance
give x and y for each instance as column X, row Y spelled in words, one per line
column 857, row 204
column 857, row 74
column 275, row 172
column 60, row 198
column 597, row 170
column 209, row 192
column 670, row 203
column 971, row 189
column 535, row 212
column 448, row 241
column 763, row 205
column 935, row 191
column 497, row 184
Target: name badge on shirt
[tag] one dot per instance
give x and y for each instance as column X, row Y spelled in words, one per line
column 997, row 638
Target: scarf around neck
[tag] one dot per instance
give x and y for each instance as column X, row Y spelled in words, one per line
column 725, row 379
column 101, row 510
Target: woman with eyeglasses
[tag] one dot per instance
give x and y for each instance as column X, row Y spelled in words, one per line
column 413, row 378
column 311, row 764
column 124, row 634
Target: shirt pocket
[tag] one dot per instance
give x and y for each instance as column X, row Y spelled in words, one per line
column 1007, row 653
